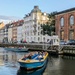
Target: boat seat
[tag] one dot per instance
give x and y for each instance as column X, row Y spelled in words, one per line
column 38, row 58
column 34, row 56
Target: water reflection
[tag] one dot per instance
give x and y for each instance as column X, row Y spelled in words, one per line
column 10, row 58
column 55, row 65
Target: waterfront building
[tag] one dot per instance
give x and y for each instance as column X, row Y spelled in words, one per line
column 19, row 32
column 1, row 35
column 32, row 25
column 10, row 33
column 1, row 25
column 65, row 24
column 1, row 31
column 16, row 31
column 5, row 39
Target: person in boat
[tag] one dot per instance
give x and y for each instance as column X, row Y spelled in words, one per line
column 27, row 56
column 30, row 56
column 40, row 55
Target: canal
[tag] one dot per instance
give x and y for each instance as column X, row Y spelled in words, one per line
column 55, row 65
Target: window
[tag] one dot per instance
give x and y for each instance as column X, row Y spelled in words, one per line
column 71, row 20
column 71, row 35
column 38, row 33
column 38, row 28
column 44, row 18
column 38, row 38
column 62, row 35
column 62, row 21
column 44, row 39
column 34, row 38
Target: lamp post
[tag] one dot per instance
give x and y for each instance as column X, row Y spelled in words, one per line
column 41, row 36
column 42, row 39
column 59, row 38
column 46, row 39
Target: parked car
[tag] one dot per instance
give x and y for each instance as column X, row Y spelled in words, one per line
column 71, row 42
column 32, row 42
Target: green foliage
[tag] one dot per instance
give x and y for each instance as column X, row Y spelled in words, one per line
column 49, row 27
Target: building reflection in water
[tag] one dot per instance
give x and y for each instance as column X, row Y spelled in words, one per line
column 8, row 58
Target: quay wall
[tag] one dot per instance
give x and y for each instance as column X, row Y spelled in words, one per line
column 33, row 46
column 66, row 50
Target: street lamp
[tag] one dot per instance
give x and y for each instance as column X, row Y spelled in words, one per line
column 42, row 37
column 46, row 39
column 59, row 38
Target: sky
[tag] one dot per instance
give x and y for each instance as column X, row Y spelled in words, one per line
column 19, row 8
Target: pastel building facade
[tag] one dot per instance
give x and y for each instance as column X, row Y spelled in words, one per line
column 16, row 31
column 1, row 34
column 19, row 34
column 10, row 33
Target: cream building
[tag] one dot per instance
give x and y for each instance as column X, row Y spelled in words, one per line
column 10, row 34
column 19, row 34
column 1, row 25
column 1, row 31
column 32, row 26
column 1, row 35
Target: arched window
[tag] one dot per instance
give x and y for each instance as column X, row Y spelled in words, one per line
column 71, row 20
column 62, row 21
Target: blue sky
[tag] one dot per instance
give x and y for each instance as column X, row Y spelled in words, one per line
column 19, row 8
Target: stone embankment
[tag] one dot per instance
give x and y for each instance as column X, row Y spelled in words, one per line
column 69, row 50
column 33, row 46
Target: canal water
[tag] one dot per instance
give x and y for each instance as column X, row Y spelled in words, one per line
column 55, row 65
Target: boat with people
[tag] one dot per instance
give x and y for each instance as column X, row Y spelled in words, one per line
column 38, row 71
column 33, row 60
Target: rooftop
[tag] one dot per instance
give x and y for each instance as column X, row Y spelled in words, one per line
column 65, row 11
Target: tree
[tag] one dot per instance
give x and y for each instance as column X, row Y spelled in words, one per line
column 49, row 27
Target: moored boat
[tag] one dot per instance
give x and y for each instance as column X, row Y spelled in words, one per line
column 33, row 60
column 16, row 49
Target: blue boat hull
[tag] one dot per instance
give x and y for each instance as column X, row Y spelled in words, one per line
column 38, row 71
column 33, row 65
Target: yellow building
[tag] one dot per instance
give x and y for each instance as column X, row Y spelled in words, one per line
column 1, row 25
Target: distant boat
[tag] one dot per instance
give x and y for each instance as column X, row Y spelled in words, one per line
column 16, row 49
column 33, row 60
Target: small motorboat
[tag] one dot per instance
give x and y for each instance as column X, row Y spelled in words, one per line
column 33, row 60
column 16, row 49
column 20, row 50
